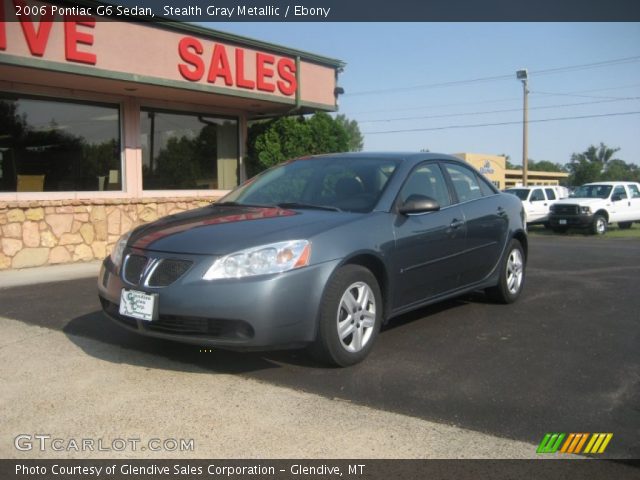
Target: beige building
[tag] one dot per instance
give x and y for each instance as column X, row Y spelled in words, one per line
column 494, row 167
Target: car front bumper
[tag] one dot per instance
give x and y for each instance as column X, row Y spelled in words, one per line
column 270, row 311
column 571, row 221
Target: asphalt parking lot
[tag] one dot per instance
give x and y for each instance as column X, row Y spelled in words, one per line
column 564, row 358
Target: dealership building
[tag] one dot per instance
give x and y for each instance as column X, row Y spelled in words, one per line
column 494, row 167
column 105, row 125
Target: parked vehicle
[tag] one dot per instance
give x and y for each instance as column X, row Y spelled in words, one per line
column 319, row 252
column 537, row 200
column 596, row 205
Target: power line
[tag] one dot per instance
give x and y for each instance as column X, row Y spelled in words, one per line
column 486, row 112
column 548, row 71
column 504, row 100
column 476, row 125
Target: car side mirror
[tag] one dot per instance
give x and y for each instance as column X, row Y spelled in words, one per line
column 416, row 204
column 616, row 198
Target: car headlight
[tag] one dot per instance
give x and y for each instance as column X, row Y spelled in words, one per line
column 585, row 210
column 118, row 249
column 272, row 258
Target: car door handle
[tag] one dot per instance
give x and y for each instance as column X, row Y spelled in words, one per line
column 456, row 224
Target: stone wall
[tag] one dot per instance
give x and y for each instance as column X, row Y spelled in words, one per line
column 35, row 233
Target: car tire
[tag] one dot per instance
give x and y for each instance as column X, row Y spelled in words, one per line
column 350, row 317
column 624, row 225
column 599, row 225
column 512, row 275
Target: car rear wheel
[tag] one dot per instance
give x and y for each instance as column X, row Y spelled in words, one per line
column 350, row 317
column 512, row 274
column 624, row 225
column 599, row 225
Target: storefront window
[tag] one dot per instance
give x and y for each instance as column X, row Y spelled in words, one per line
column 58, row 146
column 188, row 151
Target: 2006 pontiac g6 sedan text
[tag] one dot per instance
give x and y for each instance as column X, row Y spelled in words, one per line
column 319, row 252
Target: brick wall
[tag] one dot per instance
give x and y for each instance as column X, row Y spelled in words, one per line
column 35, row 233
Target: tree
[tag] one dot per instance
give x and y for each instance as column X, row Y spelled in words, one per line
column 545, row 166
column 274, row 141
column 601, row 155
column 355, row 139
column 619, row 170
column 593, row 164
column 583, row 171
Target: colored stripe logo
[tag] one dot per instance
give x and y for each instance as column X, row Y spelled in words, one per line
column 574, row 443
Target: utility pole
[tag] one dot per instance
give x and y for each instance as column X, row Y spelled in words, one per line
column 523, row 76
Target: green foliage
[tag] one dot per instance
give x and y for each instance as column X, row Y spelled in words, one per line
column 275, row 141
column 544, row 166
column 355, row 141
column 597, row 164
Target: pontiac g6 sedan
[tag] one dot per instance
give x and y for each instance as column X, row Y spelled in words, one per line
column 319, row 252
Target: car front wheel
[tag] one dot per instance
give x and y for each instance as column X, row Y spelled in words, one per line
column 599, row 226
column 350, row 317
column 512, row 274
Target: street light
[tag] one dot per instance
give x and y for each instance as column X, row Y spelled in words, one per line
column 523, row 76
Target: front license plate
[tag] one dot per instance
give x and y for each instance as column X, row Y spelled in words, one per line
column 137, row 304
column 562, row 221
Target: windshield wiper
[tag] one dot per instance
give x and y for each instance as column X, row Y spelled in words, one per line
column 309, row 206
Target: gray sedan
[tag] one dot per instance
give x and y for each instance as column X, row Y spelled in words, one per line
column 319, row 252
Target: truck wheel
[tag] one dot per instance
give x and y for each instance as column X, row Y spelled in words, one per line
column 599, row 225
column 624, row 225
column 350, row 317
column 511, row 281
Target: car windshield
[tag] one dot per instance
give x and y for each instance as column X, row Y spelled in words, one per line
column 521, row 193
column 592, row 191
column 332, row 183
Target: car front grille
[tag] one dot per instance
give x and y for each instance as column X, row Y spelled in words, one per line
column 134, row 267
column 167, row 272
column 154, row 272
column 566, row 209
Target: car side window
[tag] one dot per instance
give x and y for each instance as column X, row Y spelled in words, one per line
column 635, row 192
column 465, row 182
column 551, row 195
column 426, row 180
column 620, row 192
column 537, row 195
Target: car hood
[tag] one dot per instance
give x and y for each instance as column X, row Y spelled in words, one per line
column 220, row 230
column 585, row 202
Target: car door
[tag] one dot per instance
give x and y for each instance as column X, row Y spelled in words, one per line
column 426, row 258
column 539, row 206
column 486, row 223
column 621, row 210
column 634, row 197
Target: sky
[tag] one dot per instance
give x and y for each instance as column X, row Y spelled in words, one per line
column 394, row 72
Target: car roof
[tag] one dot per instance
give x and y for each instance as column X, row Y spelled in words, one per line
column 410, row 157
column 612, row 183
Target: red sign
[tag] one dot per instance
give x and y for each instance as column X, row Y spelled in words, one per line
column 269, row 74
column 36, row 33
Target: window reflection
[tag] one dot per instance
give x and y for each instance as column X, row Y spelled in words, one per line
column 188, row 151
column 50, row 145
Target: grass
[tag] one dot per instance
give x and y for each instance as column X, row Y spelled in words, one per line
column 612, row 232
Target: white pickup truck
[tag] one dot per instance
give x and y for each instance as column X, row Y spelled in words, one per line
column 537, row 200
column 596, row 205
